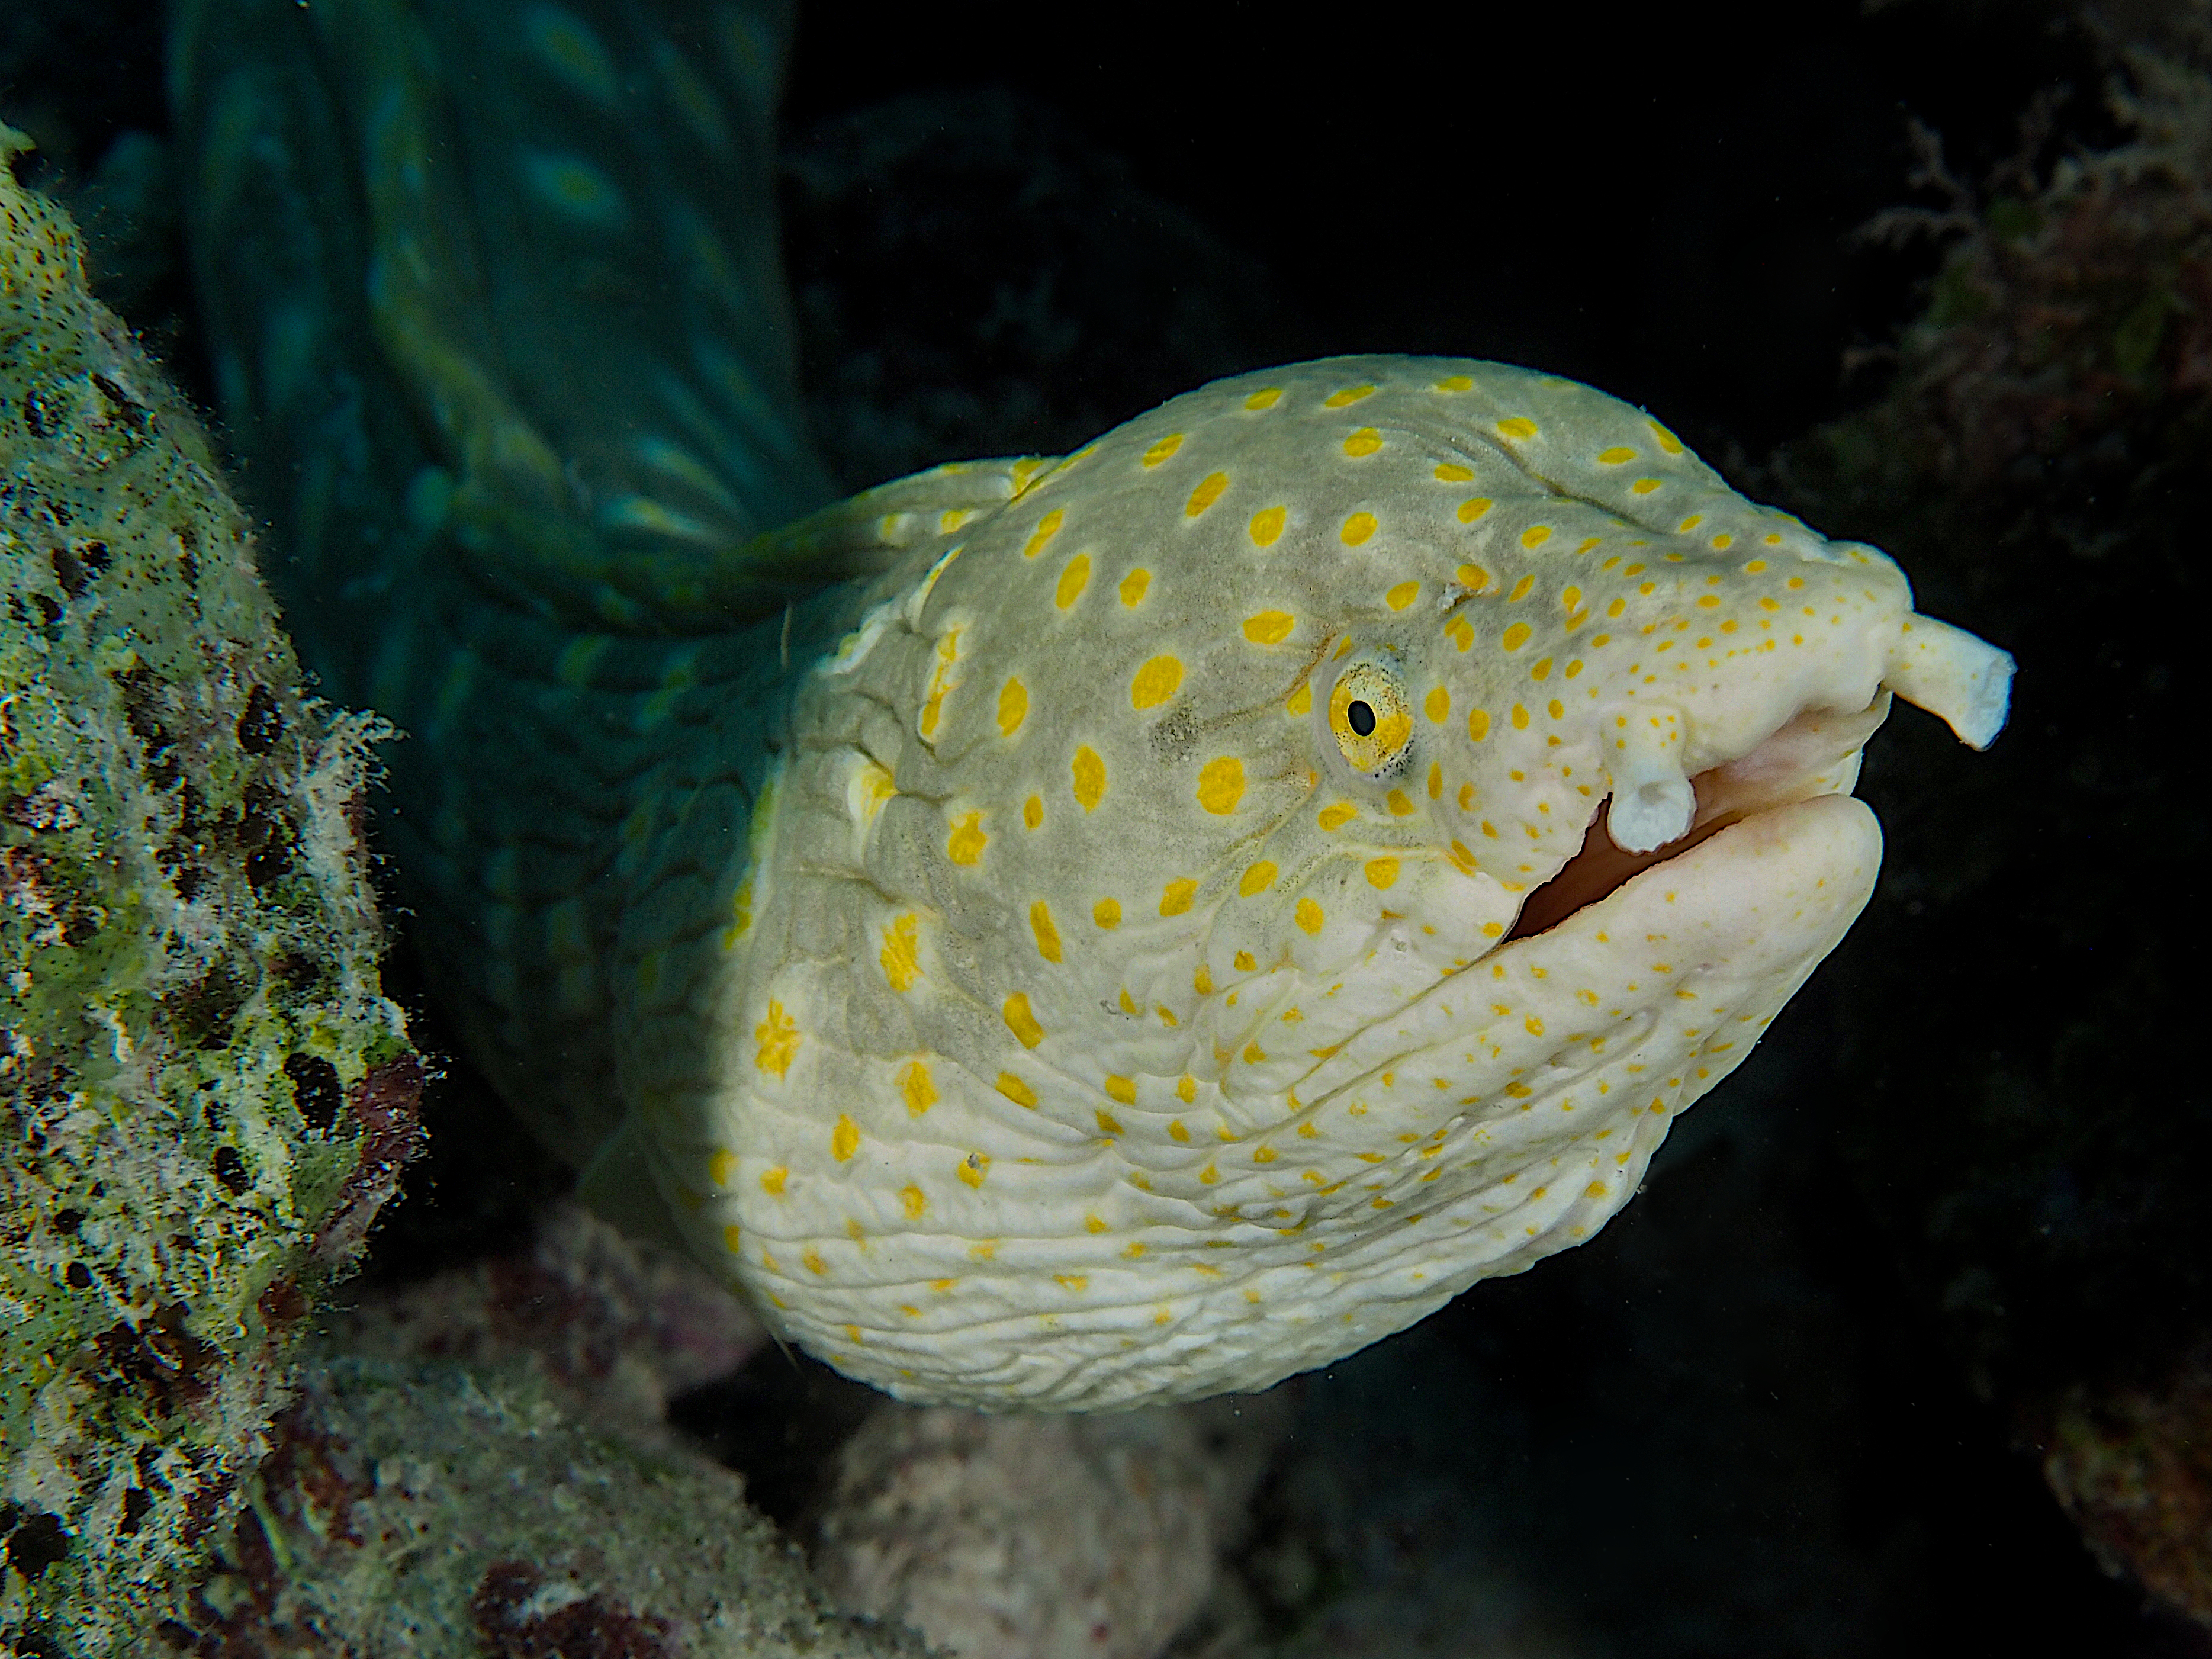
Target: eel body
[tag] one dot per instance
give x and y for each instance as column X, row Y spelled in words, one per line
column 1054, row 932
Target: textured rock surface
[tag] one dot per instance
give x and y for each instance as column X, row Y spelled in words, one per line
column 2133, row 1467
column 618, row 1327
column 1042, row 1537
column 437, row 1511
column 206, row 1097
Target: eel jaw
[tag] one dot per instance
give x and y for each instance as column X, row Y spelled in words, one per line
column 1963, row 680
column 1816, row 753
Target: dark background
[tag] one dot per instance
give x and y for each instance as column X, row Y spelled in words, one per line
column 1744, row 1420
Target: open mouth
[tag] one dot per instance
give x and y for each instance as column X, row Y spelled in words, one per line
column 1815, row 753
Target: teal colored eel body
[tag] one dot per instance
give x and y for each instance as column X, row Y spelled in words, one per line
column 1053, row 932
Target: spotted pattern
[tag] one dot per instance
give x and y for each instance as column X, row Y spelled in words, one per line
column 1126, row 935
column 1267, row 1071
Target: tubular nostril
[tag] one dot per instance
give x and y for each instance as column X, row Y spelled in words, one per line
column 1964, row 681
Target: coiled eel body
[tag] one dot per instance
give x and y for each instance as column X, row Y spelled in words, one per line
column 1054, row 933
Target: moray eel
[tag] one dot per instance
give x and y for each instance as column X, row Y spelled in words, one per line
column 1060, row 934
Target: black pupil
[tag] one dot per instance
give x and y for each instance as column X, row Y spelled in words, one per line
column 1362, row 718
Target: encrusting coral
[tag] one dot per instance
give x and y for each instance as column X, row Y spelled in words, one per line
column 206, row 1096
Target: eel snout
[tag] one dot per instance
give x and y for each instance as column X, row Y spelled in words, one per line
column 1964, row 681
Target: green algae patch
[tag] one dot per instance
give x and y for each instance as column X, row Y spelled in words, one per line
column 442, row 1511
column 206, row 1097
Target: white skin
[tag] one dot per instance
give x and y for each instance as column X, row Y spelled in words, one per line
column 1132, row 996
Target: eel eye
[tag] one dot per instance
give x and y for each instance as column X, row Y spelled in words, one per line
column 1372, row 717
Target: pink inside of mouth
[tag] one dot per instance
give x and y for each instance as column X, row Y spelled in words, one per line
column 1790, row 764
column 1600, row 870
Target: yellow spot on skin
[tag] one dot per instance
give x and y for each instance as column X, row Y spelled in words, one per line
column 1435, row 780
column 1165, row 448
column 812, row 1258
column 1616, row 455
column 1381, row 873
column 1266, row 399
column 772, row 1181
column 1309, row 915
column 1403, row 595
column 1667, row 440
column 1048, row 936
column 1534, row 537
column 1436, row 705
column 1021, row 1022
column 1072, row 580
column 1456, row 383
column 901, row 959
column 1245, row 963
column 1221, row 785
column 1520, row 590
column 1033, row 810
column 732, row 1236
column 1400, row 805
column 1155, row 682
column 1017, row 1090
column 1644, row 486
column 1365, row 441
column 1515, row 637
column 1478, row 723
column 1336, row 817
column 721, row 1166
column 1107, row 912
column 941, row 681
column 1258, row 879
column 1453, row 472
column 1516, row 426
column 1133, row 586
column 1208, row 492
column 1175, row 897
column 1013, row 707
column 916, row 1203
column 1253, row 1053
column 1202, row 980
column 1124, row 1089
column 1090, row 775
column 1301, row 701
column 973, row 1168
column 1266, row 527
column 844, row 1139
column 1357, row 529
column 1520, row 718
column 1108, row 1123
column 1350, row 394
column 1472, row 508
column 1269, row 627
column 1186, row 1092
column 965, row 845
column 778, row 1037
column 1047, row 528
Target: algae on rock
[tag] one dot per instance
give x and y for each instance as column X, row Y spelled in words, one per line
column 206, row 1096
column 433, row 1510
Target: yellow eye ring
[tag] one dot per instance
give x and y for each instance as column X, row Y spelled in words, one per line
column 1371, row 717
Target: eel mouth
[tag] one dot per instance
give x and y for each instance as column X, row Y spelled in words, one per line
column 1815, row 753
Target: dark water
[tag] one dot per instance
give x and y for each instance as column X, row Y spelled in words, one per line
column 1788, row 1403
